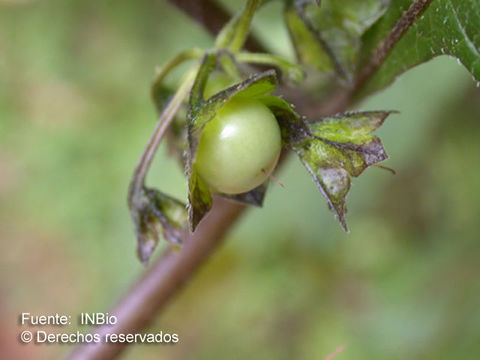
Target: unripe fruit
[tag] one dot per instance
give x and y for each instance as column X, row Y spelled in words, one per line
column 239, row 147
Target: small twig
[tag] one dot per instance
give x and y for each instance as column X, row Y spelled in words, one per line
column 165, row 69
column 243, row 22
column 163, row 123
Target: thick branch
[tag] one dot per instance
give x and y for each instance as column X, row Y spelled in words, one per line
column 164, row 279
column 212, row 17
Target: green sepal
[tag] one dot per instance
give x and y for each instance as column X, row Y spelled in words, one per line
column 157, row 214
column 293, row 127
column 199, row 199
column 340, row 147
column 253, row 197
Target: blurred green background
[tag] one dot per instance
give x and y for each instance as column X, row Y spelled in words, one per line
column 75, row 114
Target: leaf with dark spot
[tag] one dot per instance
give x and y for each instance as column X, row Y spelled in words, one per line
column 340, row 147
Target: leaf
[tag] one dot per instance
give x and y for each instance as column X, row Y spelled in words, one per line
column 309, row 46
column 340, row 147
column 156, row 214
column 201, row 111
column 328, row 36
column 446, row 27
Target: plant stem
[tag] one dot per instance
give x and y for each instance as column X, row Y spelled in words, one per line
column 244, row 26
column 235, row 33
column 162, row 281
column 138, row 178
column 164, row 70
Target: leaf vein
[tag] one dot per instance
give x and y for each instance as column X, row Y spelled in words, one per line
column 469, row 42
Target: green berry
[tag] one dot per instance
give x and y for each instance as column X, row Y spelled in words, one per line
column 238, row 147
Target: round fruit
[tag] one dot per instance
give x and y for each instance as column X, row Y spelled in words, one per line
column 239, row 147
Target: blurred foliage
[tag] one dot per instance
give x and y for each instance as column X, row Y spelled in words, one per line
column 446, row 27
column 327, row 36
column 75, row 114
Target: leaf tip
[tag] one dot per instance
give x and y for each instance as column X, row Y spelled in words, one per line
column 145, row 250
column 344, row 225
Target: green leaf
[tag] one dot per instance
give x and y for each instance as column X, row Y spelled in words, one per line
column 340, row 147
column 446, row 27
column 157, row 214
column 328, row 36
column 309, row 46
